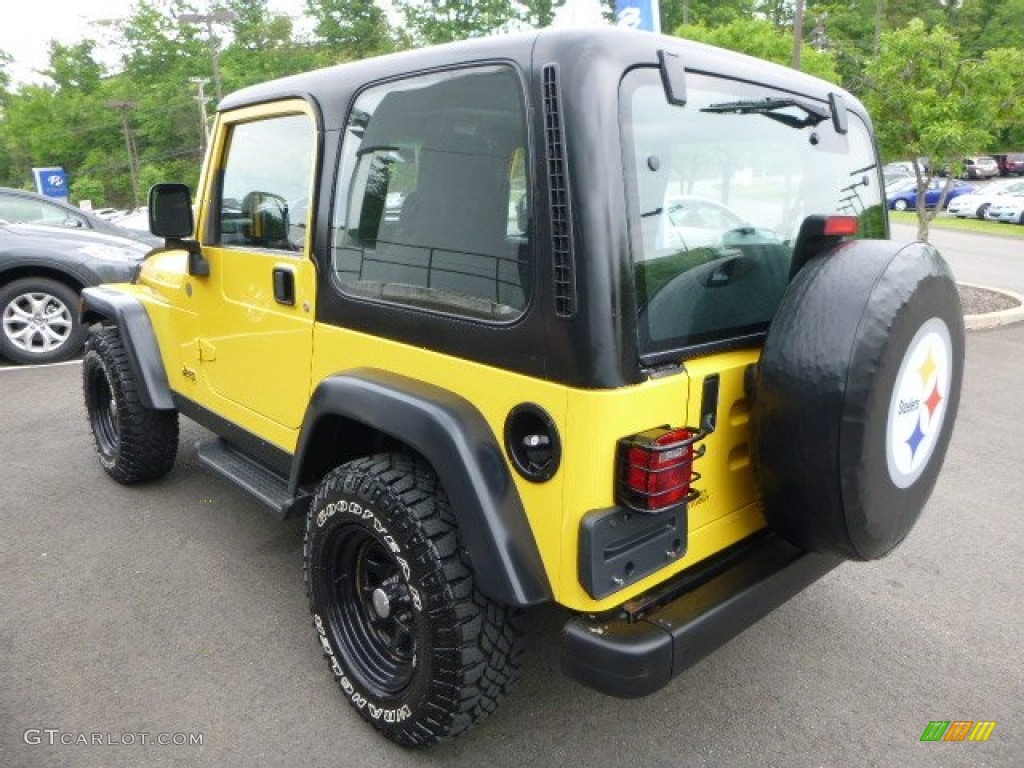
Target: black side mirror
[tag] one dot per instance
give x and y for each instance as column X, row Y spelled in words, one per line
column 170, row 217
column 170, row 211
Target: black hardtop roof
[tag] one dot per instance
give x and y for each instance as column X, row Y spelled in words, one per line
column 332, row 87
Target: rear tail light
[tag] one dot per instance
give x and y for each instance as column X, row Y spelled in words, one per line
column 655, row 468
column 841, row 226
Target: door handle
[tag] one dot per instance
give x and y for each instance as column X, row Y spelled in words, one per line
column 284, row 286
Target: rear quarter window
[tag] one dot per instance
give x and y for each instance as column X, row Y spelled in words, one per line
column 432, row 199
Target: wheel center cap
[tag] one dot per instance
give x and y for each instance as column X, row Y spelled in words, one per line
column 381, row 603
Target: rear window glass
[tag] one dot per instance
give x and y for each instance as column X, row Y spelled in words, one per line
column 718, row 190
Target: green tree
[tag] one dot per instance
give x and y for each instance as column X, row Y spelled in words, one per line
column 709, row 13
column 758, row 37
column 263, row 46
column 537, row 14
column 72, row 67
column 442, row 21
column 939, row 106
column 351, row 29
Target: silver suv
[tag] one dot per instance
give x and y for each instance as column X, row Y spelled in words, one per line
column 980, row 167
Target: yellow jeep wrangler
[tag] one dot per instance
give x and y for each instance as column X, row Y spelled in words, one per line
column 594, row 317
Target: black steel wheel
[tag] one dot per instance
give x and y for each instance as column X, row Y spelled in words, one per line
column 372, row 611
column 418, row 651
column 135, row 444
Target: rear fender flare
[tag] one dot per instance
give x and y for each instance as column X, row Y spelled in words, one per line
column 453, row 436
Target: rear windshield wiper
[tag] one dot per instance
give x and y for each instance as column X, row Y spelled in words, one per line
column 767, row 107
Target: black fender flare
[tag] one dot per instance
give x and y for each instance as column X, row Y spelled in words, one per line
column 452, row 435
column 101, row 304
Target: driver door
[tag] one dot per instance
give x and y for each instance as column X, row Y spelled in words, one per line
column 256, row 307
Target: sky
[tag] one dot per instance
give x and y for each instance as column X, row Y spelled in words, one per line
column 25, row 34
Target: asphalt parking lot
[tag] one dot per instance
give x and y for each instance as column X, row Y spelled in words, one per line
column 177, row 609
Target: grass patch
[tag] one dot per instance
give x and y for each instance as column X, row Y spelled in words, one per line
column 943, row 221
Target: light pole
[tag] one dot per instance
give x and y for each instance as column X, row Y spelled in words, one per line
column 222, row 16
column 798, row 32
column 204, row 129
column 133, row 161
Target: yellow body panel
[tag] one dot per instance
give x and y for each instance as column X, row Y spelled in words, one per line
column 590, row 423
column 230, row 346
column 598, row 419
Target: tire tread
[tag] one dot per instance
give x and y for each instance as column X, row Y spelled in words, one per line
column 483, row 647
column 147, row 438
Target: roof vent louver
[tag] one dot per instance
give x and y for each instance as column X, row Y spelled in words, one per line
column 558, row 194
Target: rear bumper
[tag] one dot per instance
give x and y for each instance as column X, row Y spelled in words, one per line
column 629, row 659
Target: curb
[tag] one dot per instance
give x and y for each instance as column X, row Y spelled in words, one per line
column 995, row 319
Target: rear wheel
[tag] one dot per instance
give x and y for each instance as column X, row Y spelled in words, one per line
column 40, row 321
column 417, row 650
column 135, row 443
column 980, row 213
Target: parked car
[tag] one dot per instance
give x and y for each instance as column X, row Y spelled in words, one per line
column 108, row 214
column 42, row 270
column 137, row 223
column 980, row 167
column 1008, row 211
column 19, row 206
column 1010, row 164
column 897, row 171
column 902, row 197
column 697, row 222
column 977, row 203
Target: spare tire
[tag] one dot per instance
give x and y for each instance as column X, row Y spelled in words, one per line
column 856, row 394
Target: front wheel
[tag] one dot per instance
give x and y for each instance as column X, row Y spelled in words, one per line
column 900, row 205
column 417, row 650
column 135, row 443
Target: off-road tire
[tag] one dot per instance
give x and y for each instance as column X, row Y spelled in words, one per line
column 135, row 444
column 30, row 309
column 856, row 395
column 444, row 655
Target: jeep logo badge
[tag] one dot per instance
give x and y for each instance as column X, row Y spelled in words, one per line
column 918, row 403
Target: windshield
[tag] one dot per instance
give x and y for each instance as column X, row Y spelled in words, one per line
column 718, row 190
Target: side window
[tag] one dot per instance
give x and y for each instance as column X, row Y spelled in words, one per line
column 431, row 208
column 265, row 191
column 16, row 209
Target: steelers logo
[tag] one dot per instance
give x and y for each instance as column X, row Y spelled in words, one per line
column 918, row 404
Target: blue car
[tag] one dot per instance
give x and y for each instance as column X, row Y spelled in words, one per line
column 902, row 196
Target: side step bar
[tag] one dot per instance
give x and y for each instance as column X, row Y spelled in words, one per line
column 259, row 481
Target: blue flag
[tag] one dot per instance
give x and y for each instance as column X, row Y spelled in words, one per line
column 638, row 14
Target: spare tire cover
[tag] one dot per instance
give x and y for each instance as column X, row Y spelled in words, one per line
column 856, row 394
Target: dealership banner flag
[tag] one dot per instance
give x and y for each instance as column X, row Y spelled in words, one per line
column 52, row 182
column 638, row 14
